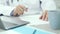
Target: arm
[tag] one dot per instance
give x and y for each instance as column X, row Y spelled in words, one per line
column 47, row 5
column 12, row 11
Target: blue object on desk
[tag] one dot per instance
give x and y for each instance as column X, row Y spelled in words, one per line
column 24, row 30
column 27, row 30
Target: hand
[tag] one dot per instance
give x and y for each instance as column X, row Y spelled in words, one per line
column 44, row 16
column 19, row 10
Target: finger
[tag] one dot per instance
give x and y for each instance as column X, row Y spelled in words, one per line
column 19, row 8
column 16, row 11
column 43, row 17
column 24, row 8
column 15, row 14
column 46, row 19
column 20, row 11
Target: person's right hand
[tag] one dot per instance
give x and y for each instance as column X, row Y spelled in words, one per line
column 19, row 10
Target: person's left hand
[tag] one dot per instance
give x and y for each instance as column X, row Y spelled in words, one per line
column 44, row 15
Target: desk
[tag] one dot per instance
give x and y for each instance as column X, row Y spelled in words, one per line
column 46, row 27
column 30, row 28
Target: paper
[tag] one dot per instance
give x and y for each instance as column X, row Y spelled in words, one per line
column 9, row 32
column 33, row 19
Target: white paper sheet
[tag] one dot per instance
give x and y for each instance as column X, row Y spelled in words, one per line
column 10, row 32
column 34, row 19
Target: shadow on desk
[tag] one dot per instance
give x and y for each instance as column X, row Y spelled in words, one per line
column 46, row 27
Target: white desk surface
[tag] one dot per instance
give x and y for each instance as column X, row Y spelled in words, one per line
column 46, row 27
column 34, row 22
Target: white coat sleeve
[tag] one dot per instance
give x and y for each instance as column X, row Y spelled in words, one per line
column 48, row 5
column 6, row 10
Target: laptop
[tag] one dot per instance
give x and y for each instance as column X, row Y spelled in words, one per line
column 7, row 23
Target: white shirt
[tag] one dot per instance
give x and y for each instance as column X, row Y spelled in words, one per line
column 48, row 5
column 6, row 10
column 33, row 5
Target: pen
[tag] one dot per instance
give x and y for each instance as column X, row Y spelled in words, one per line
column 34, row 31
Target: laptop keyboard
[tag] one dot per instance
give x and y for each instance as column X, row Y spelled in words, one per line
column 8, row 25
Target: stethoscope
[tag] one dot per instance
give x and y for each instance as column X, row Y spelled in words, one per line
column 40, row 5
